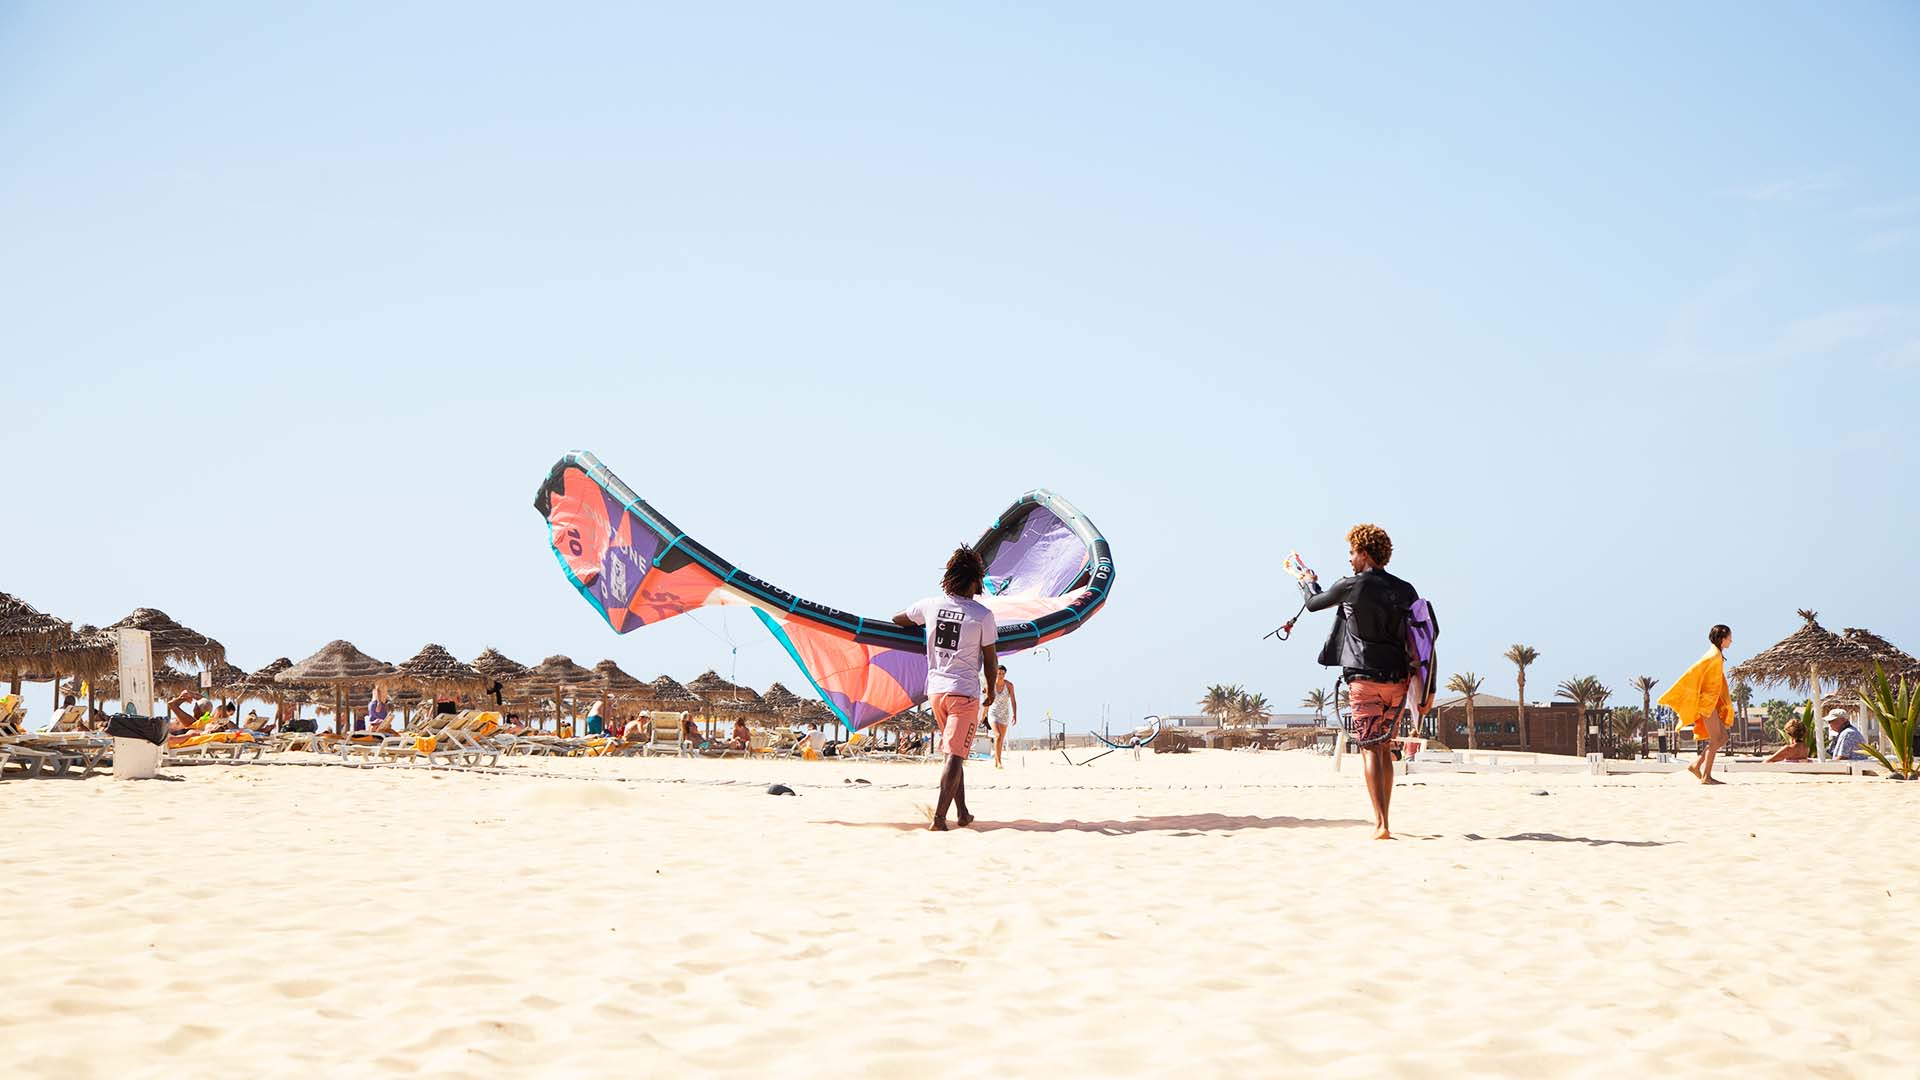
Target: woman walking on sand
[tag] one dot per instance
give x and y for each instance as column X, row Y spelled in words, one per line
column 1005, row 714
column 1702, row 700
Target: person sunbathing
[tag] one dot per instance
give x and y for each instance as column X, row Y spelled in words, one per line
column 257, row 724
column 183, row 721
column 515, row 726
column 690, row 734
column 742, row 737
column 1796, row 748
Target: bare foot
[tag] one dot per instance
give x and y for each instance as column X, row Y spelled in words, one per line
column 966, row 820
column 1381, row 833
column 938, row 826
column 1694, row 769
column 1711, row 780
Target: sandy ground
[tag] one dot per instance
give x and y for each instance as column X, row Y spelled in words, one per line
column 1213, row 914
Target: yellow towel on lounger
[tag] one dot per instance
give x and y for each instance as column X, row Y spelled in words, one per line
column 1701, row 694
column 425, row 743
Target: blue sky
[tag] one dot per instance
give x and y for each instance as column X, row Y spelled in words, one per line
column 1610, row 318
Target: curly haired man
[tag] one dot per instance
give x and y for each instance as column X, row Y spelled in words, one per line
column 1369, row 645
column 960, row 648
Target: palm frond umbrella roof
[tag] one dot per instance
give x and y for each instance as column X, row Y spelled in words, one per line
column 261, row 685
column 168, row 679
column 434, row 670
column 90, row 654
column 339, row 665
column 617, row 682
column 497, row 667
column 816, row 711
column 779, row 699
column 226, row 677
column 1793, row 659
column 668, row 692
column 710, row 685
column 558, row 673
column 172, row 641
column 26, row 631
column 720, row 695
column 1892, row 659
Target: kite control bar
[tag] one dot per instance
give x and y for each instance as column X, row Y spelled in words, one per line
column 1296, row 567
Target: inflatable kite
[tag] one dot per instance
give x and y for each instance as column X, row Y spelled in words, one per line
column 1048, row 571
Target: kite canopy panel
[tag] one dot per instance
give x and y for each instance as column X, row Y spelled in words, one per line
column 1048, row 571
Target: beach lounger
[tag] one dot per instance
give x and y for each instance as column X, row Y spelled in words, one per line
column 231, row 747
column 664, row 738
column 36, row 751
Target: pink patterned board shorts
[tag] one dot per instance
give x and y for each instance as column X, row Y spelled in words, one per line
column 1376, row 710
column 959, row 718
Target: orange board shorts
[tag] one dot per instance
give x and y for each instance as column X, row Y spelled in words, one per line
column 1376, row 709
column 959, row 718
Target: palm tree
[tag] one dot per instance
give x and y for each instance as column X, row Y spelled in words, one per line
column 1467, row 684
column 1645, row 684
column 1586, row 692
column 1218, row 703
column 1742, row 700
column 1628, row 723
column 1319, row 702
column 1255, row 710
column 1523, row 656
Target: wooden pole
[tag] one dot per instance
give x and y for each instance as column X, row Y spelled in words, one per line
column 1819, row 724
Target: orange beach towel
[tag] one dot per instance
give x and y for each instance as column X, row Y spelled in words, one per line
column 1701, row 694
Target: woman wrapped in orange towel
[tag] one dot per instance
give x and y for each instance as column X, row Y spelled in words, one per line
column 1702, row 700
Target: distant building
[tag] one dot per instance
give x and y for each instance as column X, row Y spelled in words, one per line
column 1551, row 728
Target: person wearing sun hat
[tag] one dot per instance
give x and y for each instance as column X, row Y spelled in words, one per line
column 1847, row 739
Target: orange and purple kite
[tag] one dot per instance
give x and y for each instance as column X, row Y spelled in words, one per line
column 1048, row 571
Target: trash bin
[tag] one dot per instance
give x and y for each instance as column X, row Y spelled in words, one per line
column 136, row 745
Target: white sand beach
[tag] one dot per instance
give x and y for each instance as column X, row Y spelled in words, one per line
column 1215, row 914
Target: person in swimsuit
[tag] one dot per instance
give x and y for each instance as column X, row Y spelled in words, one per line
column 960, row 649
column 1369, row 644
column 1796, row 748
column 1004, row 714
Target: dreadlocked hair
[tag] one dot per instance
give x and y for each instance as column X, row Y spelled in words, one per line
column 966, row 573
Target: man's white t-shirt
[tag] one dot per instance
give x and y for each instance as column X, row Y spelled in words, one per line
column 957, row 629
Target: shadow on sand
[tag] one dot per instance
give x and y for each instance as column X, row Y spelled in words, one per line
column 1179, row 825
column 1587, row 840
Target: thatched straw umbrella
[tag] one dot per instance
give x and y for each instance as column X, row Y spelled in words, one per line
column 263, row 685
column 172, row 641
column 91, row 656
column 1805, row 657
column 780, row 701
column 433, row 671
column 27, row 637
column 227, row 678
column 1891, row 658
column 555, row 679
column 816, row 712
column 501, row 673
column 340, row 667
column 665, row 693
column 619, row 686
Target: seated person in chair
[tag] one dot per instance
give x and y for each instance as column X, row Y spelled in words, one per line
column 1847, row 739
column 1796, row 748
